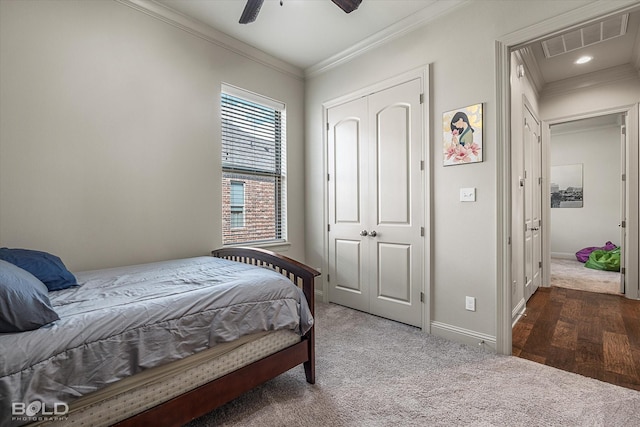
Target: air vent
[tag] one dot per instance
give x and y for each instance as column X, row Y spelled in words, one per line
column 586, row 36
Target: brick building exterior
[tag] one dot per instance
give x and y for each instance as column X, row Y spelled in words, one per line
column 259, row 214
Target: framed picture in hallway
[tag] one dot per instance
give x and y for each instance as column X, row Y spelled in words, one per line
column 462, row 135
column 566, row 186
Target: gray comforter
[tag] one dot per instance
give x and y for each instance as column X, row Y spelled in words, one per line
column 124, row 320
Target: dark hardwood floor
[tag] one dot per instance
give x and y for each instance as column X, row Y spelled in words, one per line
column 592, row 334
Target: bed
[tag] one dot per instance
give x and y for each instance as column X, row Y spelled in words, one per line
column 163, row 357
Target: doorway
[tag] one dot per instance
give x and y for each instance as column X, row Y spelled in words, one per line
column 586, row 216
column 624, row 101
column 570, row 329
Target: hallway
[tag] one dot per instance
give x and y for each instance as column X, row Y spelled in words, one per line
column 592, row 334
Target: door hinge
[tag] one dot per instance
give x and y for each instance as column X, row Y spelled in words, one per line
column 623, row 224
column 422, row 98
column 422, row 231
column 624, row 177
column 328, row 227
column 421, row 296
column 623, row 130
column 539, row 264
column 539, row 180
column 328, row 278
column 421, row 165
column 328, row 177
column 623, row 270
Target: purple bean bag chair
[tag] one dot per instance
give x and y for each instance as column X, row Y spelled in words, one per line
column 583, row 254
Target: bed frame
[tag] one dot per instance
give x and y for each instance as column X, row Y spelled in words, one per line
column 204, row 399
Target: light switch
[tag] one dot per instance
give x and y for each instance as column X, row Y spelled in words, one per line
column 470, row 303
column 467, row 194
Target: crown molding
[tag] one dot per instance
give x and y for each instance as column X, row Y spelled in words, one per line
column 392, row 32
column 597, row 78
column 212, row 35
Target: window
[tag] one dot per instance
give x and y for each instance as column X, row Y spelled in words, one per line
column 237, row 204
column 253, row 168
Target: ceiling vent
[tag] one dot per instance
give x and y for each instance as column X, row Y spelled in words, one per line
column 586, row 36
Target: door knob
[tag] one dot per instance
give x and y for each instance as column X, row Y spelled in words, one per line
column 364, row 233
column 373, row 233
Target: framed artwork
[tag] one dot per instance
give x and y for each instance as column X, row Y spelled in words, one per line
column 462, row 135
column 566, row 186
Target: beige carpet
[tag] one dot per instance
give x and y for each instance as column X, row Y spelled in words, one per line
column 373, row 372
column 572, row 274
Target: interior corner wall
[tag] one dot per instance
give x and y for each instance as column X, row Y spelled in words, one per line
column 460, row 48
column 110, row 134
column 596, row 222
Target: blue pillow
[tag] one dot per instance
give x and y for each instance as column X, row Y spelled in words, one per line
column 24, row 304
column 46, row 267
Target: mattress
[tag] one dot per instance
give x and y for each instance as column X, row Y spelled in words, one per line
column 154, row 386
column 122, row 321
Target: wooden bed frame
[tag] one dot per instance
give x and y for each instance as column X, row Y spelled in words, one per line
column 205, row 398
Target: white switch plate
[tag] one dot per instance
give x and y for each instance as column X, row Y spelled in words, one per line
column 470, row 303
column 467, row 194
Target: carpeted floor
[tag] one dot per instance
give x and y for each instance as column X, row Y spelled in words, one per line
column 375, row 372
column 572, row 274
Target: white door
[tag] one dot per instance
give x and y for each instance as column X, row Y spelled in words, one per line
column 532, row 203
column 348, row 166
column 375, row 203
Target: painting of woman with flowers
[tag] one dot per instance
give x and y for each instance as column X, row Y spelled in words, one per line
column 462, row 135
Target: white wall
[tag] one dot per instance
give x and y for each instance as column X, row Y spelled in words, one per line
column 110, row 134
column 598, row 150
column 460, row 48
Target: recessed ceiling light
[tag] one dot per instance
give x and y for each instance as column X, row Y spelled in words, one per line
column 584, row 59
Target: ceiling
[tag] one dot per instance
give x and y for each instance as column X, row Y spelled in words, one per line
column 619, row 51
column 306, row 33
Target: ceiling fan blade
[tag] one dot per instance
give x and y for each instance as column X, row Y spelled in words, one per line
column 347, row 5
column 250, row 12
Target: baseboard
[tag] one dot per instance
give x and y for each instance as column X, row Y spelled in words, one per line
column 518, row 311
column 465, row 336
column 563, row 255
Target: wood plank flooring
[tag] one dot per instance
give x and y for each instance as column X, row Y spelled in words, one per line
column 592, row 334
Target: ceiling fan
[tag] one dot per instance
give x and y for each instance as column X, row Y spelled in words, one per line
column 251, row 9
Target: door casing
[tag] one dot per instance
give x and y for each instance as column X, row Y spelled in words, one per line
column 503, row 48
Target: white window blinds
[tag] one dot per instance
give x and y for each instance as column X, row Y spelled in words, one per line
column 253, row 155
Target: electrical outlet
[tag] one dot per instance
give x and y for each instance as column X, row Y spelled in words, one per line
column 470, row 303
